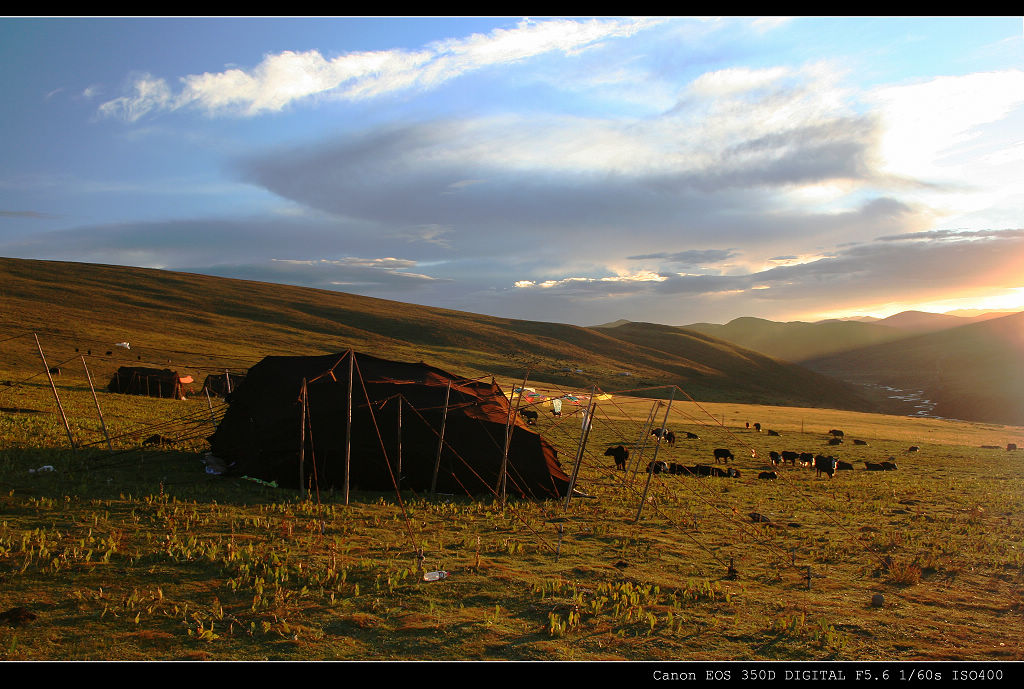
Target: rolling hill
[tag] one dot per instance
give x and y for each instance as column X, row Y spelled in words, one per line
column 972, row 372
column 194, row 323
column 797, row 341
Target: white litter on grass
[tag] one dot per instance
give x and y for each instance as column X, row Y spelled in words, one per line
column 435, row 576
column 41, row 469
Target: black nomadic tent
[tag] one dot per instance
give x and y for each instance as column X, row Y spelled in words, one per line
column 221, row 384
column 398, row 411
column 152, row 382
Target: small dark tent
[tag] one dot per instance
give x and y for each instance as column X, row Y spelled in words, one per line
column 223, row 383
column 153, row 382
column 398, row 410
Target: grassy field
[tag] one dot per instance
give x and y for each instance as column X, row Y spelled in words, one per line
column 137, row 553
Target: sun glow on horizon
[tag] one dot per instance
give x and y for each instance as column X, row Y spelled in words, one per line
column 1011, row 300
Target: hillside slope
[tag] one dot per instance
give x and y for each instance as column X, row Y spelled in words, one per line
column 195, row 322
column 972, row 372
column 797, row 341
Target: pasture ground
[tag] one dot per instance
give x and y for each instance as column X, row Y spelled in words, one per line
column 139, row 554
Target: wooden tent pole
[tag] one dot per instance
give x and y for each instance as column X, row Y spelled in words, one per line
column 53, row 387
column 510, row 427
column 227, row 381
column 584, row 432
column 302, row 437
column 95, row 399
column 209, row 403
column 440, row 439
column 642, row 441
column 348, row 423
column 398, row 462
column 657, row 446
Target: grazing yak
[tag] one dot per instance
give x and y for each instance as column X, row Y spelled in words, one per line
column 664, row 433
column 912, row 448
column 692, row 436
column 844, row 465
column 620, row 454
column 835, row 441
column 825, row 465
column 860, row 442
column 775, row 458
column 806, row 459
column 657, row 468
column 1011, row 446
column 768, row 475
column 836, row 433
column 757, row 427
column 775, row 433
column 723, row 455
column 881, row 466
column 529, row 416
column 790, row 456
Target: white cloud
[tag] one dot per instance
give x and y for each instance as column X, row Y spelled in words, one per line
column 284, row 78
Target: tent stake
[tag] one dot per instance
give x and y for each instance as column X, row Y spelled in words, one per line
column 53, row 387
column 657, row 446
column 440, row 439
column 95, row 399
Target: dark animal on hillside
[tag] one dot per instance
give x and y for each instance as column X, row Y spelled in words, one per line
column 836, row 433
column 1011, row 446
column 994, row 447
column 720, row 473
column 529, row 416
column 860, row 442
column 732, row 473
column 55, row 370
column 555, row 412
column 665, row 434
column 806, row 459
column 657, row 468
column 825, row 465
column 835, row 441
column 768, row 475
column 881, row 466
column 790, row 456
column 775, row 458
column 692, row 436
column 757, row 427
column 109, row 352
column 912, row 448
column 775, row 433
column 699, row 470
column 723, row 455
column 844, row 465
column 157, row 439
column 620, row 454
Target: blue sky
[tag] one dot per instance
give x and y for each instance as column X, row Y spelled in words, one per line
column 578, row 170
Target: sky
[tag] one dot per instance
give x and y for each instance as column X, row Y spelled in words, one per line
column 570, row 169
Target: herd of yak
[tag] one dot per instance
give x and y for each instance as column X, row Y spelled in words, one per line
column 825, row 465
